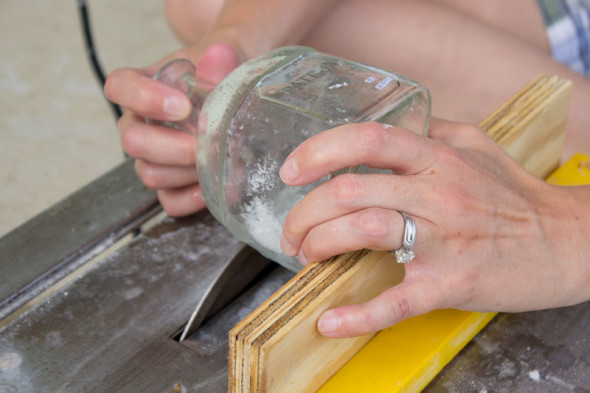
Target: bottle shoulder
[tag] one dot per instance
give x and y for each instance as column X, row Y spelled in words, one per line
column 232, row 90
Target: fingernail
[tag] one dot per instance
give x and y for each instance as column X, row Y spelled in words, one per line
column 289, row 171
column 302, row 258
column 287, row 247
column 177, row 107
column 328, row 322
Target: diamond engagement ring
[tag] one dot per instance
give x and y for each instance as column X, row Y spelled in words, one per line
column 404, row 254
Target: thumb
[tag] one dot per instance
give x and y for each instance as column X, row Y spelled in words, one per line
column 216, row 62
column 393, row 305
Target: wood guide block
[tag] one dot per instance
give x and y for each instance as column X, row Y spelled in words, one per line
column 530, row 126
column 277, row 347
column 260, row 340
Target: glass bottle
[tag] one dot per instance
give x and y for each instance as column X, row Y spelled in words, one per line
column 262, row 111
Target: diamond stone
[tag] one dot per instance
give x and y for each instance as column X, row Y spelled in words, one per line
column 404, row 255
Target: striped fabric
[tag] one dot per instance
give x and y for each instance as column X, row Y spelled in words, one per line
column 568, row 30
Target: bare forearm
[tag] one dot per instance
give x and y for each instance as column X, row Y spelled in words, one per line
column 569, row 231
column 256, row 26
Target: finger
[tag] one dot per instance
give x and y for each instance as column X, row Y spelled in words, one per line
column 373, row 144
column 157, row 177
column 393, row 305
column 474, row 142
column 217, row 61
column 460, row 135
column 156, row 144
column 444, row 130
column 349, row 193
column 182, row 201
column 373, row 228
column 149, row 98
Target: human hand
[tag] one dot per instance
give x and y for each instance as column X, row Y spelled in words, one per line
column 164, row 157
column 490, row 236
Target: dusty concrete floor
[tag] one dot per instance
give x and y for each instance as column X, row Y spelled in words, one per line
column 57, row 132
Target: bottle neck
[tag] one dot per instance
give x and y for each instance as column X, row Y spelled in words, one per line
column 180, row 74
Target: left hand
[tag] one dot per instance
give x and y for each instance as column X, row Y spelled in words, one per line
column 164, row 157
column 488, row 232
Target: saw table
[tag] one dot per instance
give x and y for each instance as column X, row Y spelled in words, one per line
column 90, row 304
column 104, row 293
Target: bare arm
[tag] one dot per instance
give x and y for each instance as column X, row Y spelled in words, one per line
column 242, row 29
column 258, row 26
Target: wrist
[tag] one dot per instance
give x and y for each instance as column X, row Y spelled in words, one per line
column 568, row 232
column 580, row 231
column 253, row 30
column 246, row 46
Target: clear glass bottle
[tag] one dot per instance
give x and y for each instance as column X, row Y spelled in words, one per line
column 262, row 111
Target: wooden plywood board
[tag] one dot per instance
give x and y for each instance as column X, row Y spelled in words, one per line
column 530, row 126
column 278, row 349
column 258, row 343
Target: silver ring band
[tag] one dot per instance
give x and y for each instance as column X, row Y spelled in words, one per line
column 404, row 254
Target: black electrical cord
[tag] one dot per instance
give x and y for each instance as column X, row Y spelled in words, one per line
column 91, row 52
column 96, row 67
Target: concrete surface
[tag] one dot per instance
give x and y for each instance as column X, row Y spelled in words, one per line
column 57, row 132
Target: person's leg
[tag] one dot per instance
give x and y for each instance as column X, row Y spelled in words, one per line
column 520, row 19
column 470, row 67
column 190, row 19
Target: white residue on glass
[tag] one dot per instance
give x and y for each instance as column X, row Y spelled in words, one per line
column 337, row 85
column 262, row 178
column 263, row 225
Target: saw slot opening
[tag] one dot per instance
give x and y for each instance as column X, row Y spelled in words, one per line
column 248, row 273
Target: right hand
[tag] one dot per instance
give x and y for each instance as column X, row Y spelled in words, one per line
column 490, row 235
column 164, row 157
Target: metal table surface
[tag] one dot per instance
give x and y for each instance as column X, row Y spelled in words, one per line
column 113, row 327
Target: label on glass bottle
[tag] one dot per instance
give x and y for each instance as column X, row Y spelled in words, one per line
column 335, row 90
